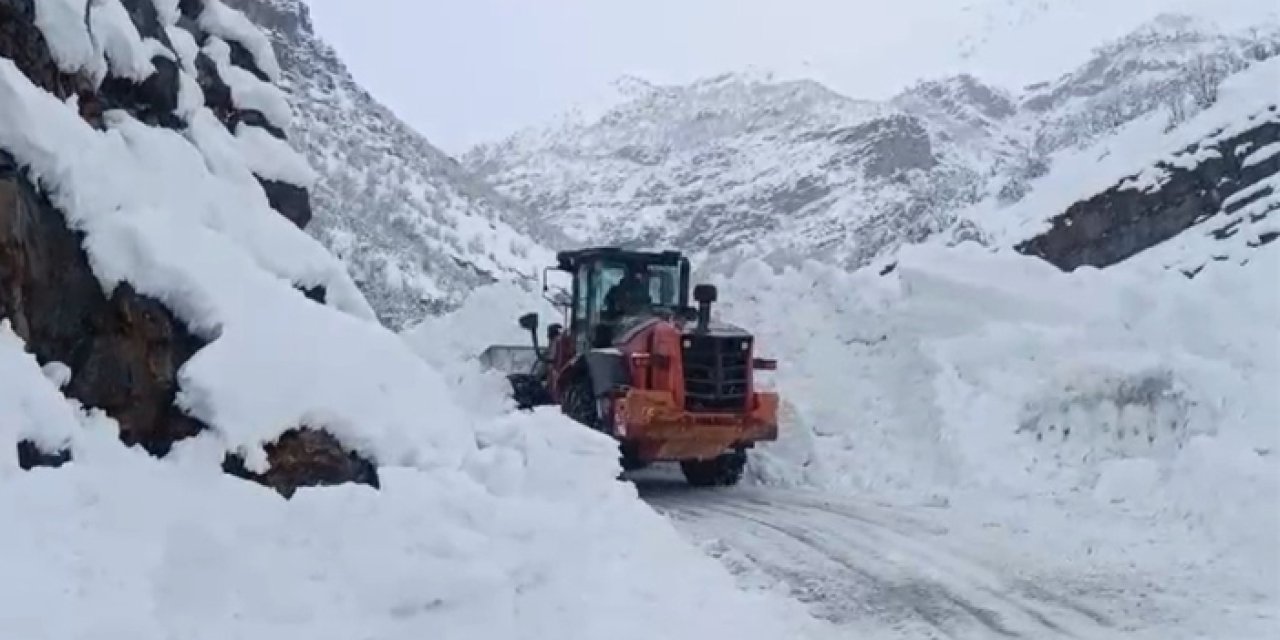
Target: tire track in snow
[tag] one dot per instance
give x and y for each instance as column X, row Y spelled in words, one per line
column 858, row 565
column 953, row 556
column 957, row 580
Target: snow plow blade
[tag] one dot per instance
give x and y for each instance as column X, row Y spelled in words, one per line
column 661, row 430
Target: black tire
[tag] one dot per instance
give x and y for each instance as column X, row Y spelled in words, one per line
column 724, row 471
column 579, row 403
column 629, row 458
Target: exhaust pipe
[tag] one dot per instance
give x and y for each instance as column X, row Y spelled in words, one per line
column 704, row 295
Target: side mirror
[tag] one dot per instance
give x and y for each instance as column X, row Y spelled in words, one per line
column 553, row 331
column 705, row 294
column 529, row 322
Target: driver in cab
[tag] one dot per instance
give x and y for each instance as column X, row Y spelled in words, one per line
column 630, row 295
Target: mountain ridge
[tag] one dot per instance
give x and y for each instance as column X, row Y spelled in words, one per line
column 737, row 166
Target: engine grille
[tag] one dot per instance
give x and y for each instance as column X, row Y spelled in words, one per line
column 715, row 372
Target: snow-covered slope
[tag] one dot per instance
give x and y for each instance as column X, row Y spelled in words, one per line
column 415, row 229
column 1203, row 191
column 744, row 165
column 486, row 523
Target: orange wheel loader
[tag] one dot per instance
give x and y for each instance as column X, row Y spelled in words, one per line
column 639, row 363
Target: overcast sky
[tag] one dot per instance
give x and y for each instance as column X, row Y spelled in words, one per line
column 468, row 71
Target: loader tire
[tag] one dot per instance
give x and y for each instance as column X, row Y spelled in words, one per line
column 724, row 471
column 629, row 457
column 579, row 403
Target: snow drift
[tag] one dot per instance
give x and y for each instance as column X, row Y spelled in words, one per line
column 488, row 523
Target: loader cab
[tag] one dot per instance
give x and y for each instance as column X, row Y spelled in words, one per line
column 613, row 285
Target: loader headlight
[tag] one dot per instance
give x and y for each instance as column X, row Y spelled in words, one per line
column 744, row 345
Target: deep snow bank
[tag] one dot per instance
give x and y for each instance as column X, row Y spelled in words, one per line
column 525, row 536
column 489, row 524
column 967, row 373
column 982, row 351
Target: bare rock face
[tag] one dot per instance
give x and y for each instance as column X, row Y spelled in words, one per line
column 124, row 349
column 1200, row 185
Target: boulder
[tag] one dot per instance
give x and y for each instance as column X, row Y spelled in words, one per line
column 306, row 457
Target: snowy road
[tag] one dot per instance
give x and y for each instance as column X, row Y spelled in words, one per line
column 876, row 570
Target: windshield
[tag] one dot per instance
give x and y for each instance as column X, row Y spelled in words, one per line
column 649, row 285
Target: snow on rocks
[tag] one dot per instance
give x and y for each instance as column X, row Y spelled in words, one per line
column 229, row 24
column 247, row 91
column 271, row 158
column 167, row 11
column 126, row 53
column 62, row 22
column 224, row 263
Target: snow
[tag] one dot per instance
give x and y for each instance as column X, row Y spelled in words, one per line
column 30, row 407
column 485, row 550
column 229, row 24
column 247, row 92
column 127, row 56
column 519, row 538
column 62, row 24
column 271, row 158
column 1262, row 155
column 57, row 373
column 167, row 11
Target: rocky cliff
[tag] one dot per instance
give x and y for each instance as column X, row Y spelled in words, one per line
column 124, row 352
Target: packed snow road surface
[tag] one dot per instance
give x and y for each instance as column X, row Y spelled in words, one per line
column 877, row 570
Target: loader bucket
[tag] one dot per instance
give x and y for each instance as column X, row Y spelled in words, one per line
column 509, row 359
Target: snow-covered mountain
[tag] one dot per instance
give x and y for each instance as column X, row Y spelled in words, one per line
column 416, row 231
column 746, row 165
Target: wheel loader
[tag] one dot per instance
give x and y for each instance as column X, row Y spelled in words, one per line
column 638, row 362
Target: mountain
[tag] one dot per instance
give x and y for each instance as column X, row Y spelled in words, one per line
column 415, row 229
column 740, row 165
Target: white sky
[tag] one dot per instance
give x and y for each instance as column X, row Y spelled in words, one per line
column 468, row 71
